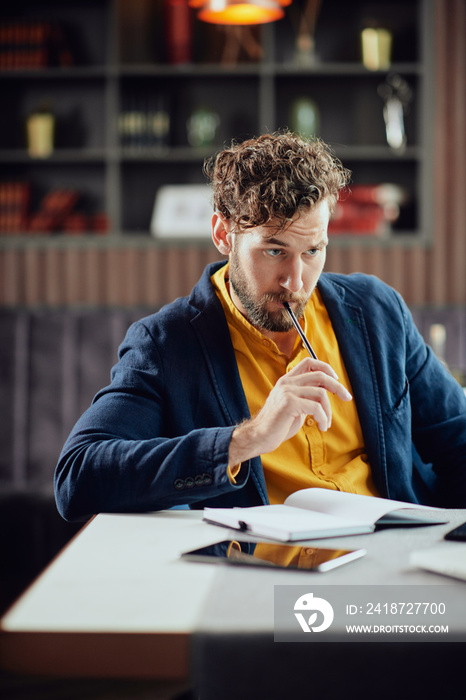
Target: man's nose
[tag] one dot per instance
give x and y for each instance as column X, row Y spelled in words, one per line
column 292, row 278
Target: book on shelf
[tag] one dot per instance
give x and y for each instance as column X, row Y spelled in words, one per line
column 144, row 122
column 318, row 513
column 77, row 223
column 54, row 209
column 368, row 209
column 33, row 44
column 56, row 213
column 100, row 223
column 14, row 205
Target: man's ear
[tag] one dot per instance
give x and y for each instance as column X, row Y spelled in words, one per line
column 221, row 235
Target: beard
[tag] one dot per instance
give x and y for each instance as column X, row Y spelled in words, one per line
column 277, row 321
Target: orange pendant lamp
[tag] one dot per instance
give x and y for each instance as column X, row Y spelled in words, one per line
column 239, row 11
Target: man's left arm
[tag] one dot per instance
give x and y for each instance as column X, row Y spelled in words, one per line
column 438, row 408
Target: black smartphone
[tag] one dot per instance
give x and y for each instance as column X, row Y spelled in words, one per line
column 281, row 556
column 458, row 533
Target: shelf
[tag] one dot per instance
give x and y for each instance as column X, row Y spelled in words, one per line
column 174, row 155
column 52, row 73
column 197, row 155
column 199, row 70
column 356, row 70
column 186, row 70
column 63, row 155
column 377, row 153
column 129, row 240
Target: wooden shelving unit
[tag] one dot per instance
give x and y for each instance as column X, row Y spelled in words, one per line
column 249, row 98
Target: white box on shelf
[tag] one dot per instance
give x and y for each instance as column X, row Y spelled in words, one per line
column 182, row 211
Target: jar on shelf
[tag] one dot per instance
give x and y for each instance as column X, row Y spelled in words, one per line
column 40, row 132
column 202, row 127
column 305, row 117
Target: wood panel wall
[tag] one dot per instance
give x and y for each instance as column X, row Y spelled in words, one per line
column 124, row 276
column 426, row 276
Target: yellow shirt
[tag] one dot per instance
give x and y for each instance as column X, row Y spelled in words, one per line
column 334, row 459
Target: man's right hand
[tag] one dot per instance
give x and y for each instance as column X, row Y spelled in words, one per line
column 301, row 392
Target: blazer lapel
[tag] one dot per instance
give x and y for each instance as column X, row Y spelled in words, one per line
column 214, row 337
column 211, row 328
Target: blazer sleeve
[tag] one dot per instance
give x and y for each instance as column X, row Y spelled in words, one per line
column 142, row 444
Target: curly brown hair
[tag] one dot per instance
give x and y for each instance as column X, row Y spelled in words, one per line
column 271, row 177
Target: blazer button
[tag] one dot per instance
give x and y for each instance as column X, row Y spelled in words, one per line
column 189, row 482
column 179, row 484
column 207, row 479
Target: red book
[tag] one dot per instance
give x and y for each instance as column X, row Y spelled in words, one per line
column 178, row 31
column 14, row 204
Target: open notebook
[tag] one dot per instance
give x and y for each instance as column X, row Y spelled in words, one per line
column 316, row 513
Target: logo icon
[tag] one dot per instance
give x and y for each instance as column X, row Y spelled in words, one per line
column 307, row 603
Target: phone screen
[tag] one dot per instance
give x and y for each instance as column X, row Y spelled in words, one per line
column 281, row 556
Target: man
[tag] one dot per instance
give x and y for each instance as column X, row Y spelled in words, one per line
column 215, row 401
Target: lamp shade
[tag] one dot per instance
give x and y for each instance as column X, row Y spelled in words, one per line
column 239, row 11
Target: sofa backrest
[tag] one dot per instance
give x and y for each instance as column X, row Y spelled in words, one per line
column 52, row 362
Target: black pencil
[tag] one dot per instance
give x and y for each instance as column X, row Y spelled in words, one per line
column 295, row 321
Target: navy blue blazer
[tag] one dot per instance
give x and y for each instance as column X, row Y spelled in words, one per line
column 158, row 436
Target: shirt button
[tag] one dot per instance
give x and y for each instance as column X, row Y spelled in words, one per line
column 310, row 421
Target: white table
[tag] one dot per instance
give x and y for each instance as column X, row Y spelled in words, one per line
column 118, row 601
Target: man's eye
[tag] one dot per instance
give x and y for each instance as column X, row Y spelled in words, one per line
column 313, row 251
column 273, row 252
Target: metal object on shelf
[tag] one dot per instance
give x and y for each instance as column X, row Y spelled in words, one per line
column 397, row 95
